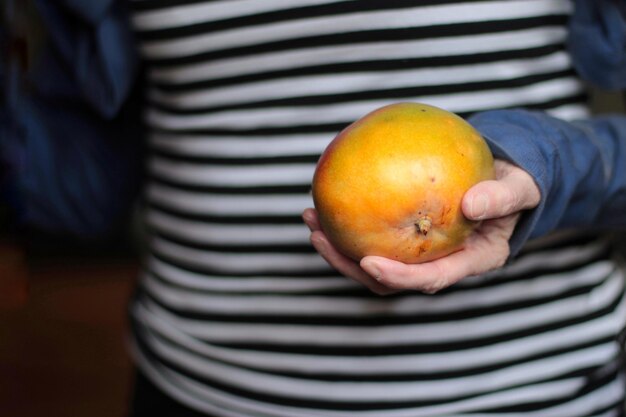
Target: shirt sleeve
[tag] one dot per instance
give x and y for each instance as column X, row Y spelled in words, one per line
column 597, row 42
column 95, row 42
column 580, row 168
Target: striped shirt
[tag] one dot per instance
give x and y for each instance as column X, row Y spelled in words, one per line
column 238, row 316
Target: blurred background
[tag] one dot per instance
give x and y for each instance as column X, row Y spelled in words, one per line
column 70, row 165
column 70, row 130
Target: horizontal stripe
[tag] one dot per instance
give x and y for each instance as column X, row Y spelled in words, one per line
column 240, row 263
column 356, row 22
column 234, row 147
column 398, row 94
column 363, row 82
column 205, row 268
column 415, row 308
column 431, row 391
column 358, row 311
column 569, row 106
column 246, row 284
column 372, row 93
column 478, row 328
column 256, row 403
column 212, row 160
column 530, row 266
column 229, row 205
column 185, row 20
column 228, row 218
column 189, row 14
column 233, row 176
column 210, row 396
column 381, row 65
column 225, row 235
column 425, row 366
column 409, row 49
column 346, row 112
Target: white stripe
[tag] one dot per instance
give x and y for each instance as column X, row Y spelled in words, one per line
column 352, row 22
column 224, row 234
column 552, row 259
column 205, row 398
column 247, row 284
column 190, row 14
column 250, row 146
column 342, row 112
column 388, row 391
column 411, row 49
column 322, row 306
column 570, row 112
column 240, row 263
column 360, row 82
column 229, row 205
column 396, row 364
column 257, row 175
column 396, row 335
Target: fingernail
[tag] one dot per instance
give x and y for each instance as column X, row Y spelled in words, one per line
column 479, row 206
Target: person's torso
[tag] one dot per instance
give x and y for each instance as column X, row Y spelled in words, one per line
column 238, row 315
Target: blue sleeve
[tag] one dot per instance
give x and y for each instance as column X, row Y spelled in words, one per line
column 597, row 42
column 580, row 168
column 95, row 44
column 71, row 143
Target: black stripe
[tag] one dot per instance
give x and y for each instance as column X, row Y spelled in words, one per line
column 595, row 381
column 422, row 347
column 330, row 128
column 334, row 128
column 145, row 5
column 476, row 370
column 537, row 271
column 366, row 36
column 205, row 160
column 374, row 320
column 282, row 15
column 363, row 66
column 256, row 219
column 241, row 248
column 290, row 400
column 363, row 292
column 204, row 270
column 231, row 190
column 579, row 239
column 392, row 93
column 581, row 98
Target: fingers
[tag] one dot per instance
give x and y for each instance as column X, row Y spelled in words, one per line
column 340, row 262
column 482, row 254
column 310, row 218
column 513, row 191
column 345, row 265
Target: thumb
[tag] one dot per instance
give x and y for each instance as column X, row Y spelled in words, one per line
column 514, row 192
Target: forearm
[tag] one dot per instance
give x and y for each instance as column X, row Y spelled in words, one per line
column 580, row 168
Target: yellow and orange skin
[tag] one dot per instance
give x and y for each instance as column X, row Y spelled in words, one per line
column 391, row 183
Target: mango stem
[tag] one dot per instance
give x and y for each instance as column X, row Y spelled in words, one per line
column 424, row 224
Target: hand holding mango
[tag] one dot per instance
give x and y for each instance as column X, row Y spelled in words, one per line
column 394, row 194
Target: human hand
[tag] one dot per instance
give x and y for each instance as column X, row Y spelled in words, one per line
column 496, row 203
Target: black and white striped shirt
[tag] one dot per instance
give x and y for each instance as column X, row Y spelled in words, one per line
column 238, row 316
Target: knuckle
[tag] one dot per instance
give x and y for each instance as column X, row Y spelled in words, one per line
column 511, row 201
